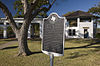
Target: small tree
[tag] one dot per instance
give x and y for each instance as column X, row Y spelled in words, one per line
column 30, row 11
column 95, row 10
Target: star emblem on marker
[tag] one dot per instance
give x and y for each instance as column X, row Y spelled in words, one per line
column 53, row 18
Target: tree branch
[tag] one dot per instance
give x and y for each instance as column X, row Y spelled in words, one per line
column 9, row 16
column 31, row 8
column 50, row 5
column 34, row 1
column 41, row 9
column 28, row 13
column 31, row 16
column 25, row 2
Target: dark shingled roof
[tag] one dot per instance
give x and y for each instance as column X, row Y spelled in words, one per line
column 80, row 14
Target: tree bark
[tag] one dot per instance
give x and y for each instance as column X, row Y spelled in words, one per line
column 22, row 40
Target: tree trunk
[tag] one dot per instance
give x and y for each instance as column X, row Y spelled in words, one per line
column 30, row 12
column 22, row 40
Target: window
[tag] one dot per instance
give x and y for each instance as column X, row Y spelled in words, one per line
column 7, row 23
column 71, row 32
column 72, row 22
column 74, row 32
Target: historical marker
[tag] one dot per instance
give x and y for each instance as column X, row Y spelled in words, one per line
column 53, row 35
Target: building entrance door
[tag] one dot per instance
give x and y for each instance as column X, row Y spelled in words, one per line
column 86, row 33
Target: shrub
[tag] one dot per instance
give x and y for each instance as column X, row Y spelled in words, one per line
column 10, row 32
column 1, row 32
column 98, row 35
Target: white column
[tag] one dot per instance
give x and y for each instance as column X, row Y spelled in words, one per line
column 41, row 35
column 5, row 30
column 29, row 32
column 66, row 28
column 18, row 26
column 91, row 30
column 79, row 31
column 78, row 21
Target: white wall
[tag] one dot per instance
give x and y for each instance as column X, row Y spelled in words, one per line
column 80, row 30
column 66, row 30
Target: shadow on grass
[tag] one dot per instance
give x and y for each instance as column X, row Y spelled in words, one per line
column 9, row 47
column 13, row 47
column 11, row 39
column 35, row 39
column 86, row 46
column 79, row 41
column 38, row 52
column 76, row 55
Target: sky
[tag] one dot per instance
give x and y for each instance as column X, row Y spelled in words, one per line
column 61, row 6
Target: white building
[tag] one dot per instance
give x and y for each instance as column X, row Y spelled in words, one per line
column 4, row 24
column 79, row 24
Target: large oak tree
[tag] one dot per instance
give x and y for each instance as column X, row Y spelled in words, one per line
column 30, row 11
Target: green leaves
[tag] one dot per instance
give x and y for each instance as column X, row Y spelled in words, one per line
column 95, row 10
column 18, row 6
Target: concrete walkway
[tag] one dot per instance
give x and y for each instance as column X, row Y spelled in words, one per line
column 6, row 44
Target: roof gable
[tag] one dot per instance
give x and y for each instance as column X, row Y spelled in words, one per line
column 79, row 13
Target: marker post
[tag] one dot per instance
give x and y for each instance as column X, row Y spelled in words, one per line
column 51, row 59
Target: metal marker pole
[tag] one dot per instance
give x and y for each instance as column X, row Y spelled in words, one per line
column 51, row 59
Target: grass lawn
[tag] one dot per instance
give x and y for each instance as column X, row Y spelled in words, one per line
column 77, row 53
column 3, row 41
